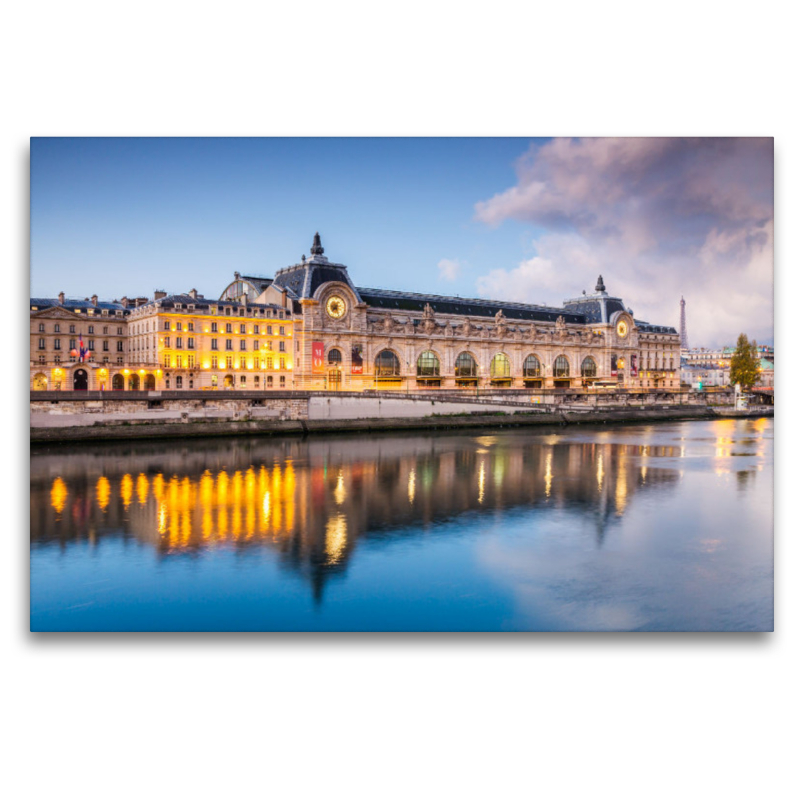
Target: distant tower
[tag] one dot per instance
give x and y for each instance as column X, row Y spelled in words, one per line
column 684, row 335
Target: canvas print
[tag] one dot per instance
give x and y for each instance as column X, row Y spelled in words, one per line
column 401, row 384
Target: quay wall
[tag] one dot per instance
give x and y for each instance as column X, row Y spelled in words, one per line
column 153, row 415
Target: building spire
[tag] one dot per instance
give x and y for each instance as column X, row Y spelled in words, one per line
column 684, row 334
column 601, row 287
column 317, row 249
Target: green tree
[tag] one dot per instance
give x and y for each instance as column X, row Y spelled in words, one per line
column 744, row 362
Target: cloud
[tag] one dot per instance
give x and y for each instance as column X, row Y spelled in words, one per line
column 449, row 269
column 659, row 218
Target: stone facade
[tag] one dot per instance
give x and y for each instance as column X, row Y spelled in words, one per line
column 310, row 327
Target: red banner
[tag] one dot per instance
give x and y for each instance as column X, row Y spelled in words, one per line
column 634, row 367
column 317, row 357
column 356, row 360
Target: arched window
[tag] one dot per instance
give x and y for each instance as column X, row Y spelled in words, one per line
column 466, row 366
column 588, row 368
column 334, row 356
column 39, row 382
column 532, row 367
column 428, row 365
column 387, row 364
column 150, row 383
column 561, row 367
column 118, row 383
column 501, row 366
column 133, row 383
column 228, row 382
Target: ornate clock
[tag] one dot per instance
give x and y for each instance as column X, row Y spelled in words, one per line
column 622, row 329
column 335, row 307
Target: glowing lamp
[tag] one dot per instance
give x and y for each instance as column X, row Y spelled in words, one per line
column 126, row 371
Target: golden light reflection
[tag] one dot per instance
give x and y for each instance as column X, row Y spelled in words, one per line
column 621, row 491
column 412, row 486
column 103, row 492
column 481, row 482
column 339, row 493
column 335, row 538
column 600, row 472
column 142, row 486
column 548, row 473
column 126, row 489
column 58, row 495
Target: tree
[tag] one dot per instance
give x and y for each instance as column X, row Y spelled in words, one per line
column 744, row 362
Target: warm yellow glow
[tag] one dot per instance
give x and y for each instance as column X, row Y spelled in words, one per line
column 126, row 489
column 481, row 482
column 206, row 365
column 600, row 471
column 142, row 486
column 339, row 493
column 58, row 495
column 412, row 486
column 103, row 492
column 621, row 493
column 548, row 473
column 141, row 372
column 335, row 538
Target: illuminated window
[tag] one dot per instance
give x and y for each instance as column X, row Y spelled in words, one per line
column 229, row 362
column 166, row 359
column 214, row 362
column 214, row 380
column 428, row 365
column 500, row 366
column 532, row 367
column 243, row 329
column 166, row 325
column 387, row 364
column 561, row 367
column 334, row 356
column 283, row 363
column 466, row 366
column 588, row 368
column 213, row 327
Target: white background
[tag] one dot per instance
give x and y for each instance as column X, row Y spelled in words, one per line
column 639, row 716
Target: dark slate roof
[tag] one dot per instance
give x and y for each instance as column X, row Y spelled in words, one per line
column 646, row 327
column 261, row 282
column 303, row 279
column 591, row 310
column 463, row 306
column 201, row 303
column 71, row 303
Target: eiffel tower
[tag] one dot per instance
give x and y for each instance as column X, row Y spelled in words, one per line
column 684, row 335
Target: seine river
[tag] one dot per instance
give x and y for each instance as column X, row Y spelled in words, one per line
column 648, row 527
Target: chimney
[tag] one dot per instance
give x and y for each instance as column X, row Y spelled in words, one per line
column 283, row 297
column 124, row 302
column 94, row 300
column 61, row 298
column 193, row 294
column 158, row 294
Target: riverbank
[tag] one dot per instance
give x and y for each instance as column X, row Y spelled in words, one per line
column 111, row 430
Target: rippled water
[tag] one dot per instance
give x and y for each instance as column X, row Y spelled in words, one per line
column 660, row 527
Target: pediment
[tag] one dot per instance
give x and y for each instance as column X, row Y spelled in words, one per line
column 56, row 312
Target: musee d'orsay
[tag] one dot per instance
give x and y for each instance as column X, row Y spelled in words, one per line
column 311, row 327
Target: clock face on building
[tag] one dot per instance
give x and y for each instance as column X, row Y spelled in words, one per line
column 622, row 329
column 335, row 307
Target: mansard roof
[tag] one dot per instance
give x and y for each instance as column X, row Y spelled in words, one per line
column 463, row 306
column 201, row 303
column 72, row 304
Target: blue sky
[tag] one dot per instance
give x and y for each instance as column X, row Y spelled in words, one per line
column 520, row 219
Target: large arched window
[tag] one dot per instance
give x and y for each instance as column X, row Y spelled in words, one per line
column 334, row 356
column 561, row 367
column 532, row 368
column 387, row 364
column 588, row 368
column 466, row 366
column 118, row 383
column 428, row 365
column 500, row 367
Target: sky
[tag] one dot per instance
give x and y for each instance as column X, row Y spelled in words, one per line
column 532, row 220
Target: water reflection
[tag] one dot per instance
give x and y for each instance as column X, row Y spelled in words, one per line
column 314, row 503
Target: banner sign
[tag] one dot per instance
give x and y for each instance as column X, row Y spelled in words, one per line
column 634, row 369
column 613, row 366
column 317, row 357
column 357, row 360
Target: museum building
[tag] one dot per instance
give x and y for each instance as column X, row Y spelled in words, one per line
column 310, row 327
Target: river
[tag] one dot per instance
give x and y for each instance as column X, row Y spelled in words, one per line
column 662, row 527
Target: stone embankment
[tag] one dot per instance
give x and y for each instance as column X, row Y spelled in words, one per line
column 57, row 417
